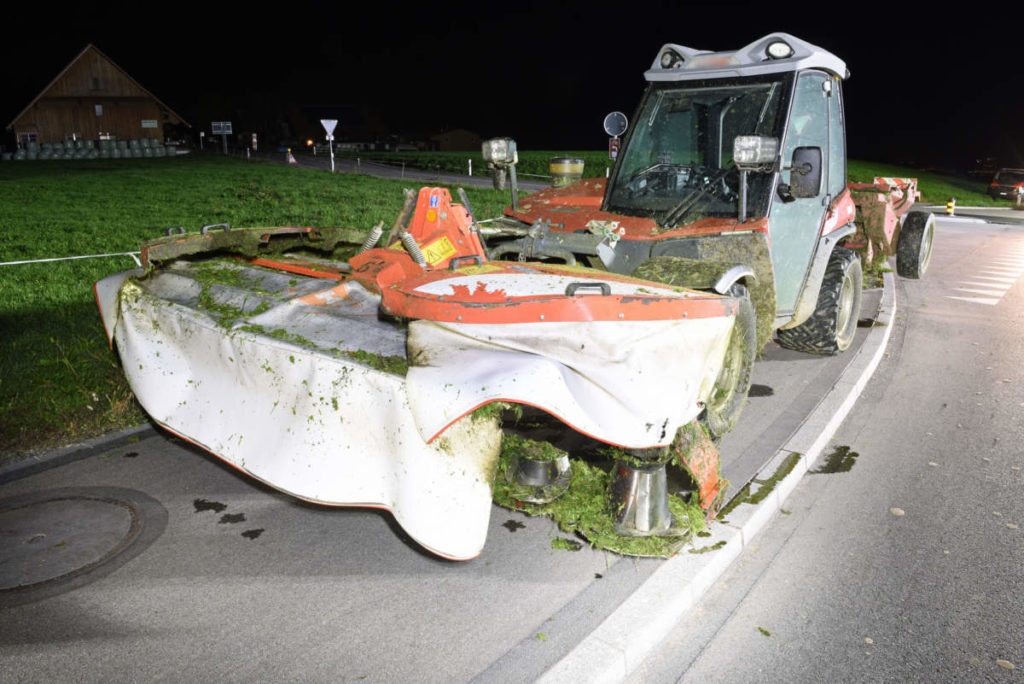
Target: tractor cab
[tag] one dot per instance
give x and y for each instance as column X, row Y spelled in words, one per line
column 708, row 119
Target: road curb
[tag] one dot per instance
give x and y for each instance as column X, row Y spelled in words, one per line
column 75, row 452
column 626, row 637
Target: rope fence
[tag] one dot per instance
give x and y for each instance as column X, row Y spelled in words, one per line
column 133, row 255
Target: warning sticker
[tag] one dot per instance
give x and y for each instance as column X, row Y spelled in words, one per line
column 434, row 200
column 439, row 250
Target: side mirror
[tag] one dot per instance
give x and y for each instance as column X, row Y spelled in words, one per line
column 615, row 124
column 805, row 172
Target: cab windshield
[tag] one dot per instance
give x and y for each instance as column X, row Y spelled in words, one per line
column 677, row 166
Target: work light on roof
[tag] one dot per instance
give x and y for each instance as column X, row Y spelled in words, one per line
column 670, row 59
column 779, row 50
column 500, row 151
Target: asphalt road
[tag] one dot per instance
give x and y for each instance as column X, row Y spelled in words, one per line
column 905, row 562
column 230, row 580
column 481, row 177
column 226, row 579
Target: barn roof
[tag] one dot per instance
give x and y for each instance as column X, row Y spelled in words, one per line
column 92, row 48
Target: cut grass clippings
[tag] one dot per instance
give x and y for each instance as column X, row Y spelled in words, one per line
column 59, row 381
column 583, row 509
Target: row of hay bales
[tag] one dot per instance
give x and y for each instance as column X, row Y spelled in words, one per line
column 93, row 149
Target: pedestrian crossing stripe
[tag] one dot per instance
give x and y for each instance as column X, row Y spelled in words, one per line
column 995, row 293
column 976, row 300
column 1003, row 287
column 1001, row 279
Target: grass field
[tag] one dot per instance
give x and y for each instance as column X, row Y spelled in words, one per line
column 59, row 382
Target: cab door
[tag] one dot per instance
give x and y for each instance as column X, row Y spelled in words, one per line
column 794, row 226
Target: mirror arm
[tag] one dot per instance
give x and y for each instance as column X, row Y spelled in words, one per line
column 743, row 197
column 785, row 193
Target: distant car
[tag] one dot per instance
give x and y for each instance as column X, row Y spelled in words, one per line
column 1006, row 184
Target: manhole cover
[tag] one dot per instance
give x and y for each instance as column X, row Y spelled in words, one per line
column 59, row 539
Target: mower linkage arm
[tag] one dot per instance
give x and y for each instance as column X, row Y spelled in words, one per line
column 540, row 242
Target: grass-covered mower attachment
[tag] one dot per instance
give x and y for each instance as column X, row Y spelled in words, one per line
column 886, row 226
column 355, row 375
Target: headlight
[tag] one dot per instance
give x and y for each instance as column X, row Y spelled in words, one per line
column 500, row 151
column 779, row 50
column 670, row 59
column 752, row 152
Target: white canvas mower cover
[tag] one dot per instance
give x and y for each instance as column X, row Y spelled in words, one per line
column 358, row 383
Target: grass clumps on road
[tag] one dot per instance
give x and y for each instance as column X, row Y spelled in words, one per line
column 583, row 509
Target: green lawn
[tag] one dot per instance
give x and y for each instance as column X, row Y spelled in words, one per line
column 59, row 382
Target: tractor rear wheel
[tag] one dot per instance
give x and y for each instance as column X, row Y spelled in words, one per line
column 914, row 247
column 831, row 327
column 723, row 407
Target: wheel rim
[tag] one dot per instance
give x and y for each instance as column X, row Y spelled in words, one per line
column 845, row 325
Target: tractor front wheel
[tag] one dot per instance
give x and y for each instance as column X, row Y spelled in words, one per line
column 723, row 407
column 831, row 327
column 914, row 247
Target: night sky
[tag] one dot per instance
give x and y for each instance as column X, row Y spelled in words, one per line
column 925, row 88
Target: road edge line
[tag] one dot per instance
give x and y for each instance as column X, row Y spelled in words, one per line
column 621, row 643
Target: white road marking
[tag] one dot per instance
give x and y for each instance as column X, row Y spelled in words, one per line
column 976, row 300
column 991, row 293
column 999, row 279
column 1003, row 287
column 994, row 279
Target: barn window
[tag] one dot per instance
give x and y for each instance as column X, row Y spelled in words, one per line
column 99, row 109
column 96, row 84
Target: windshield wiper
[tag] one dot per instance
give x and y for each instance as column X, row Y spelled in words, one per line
column 686, row 205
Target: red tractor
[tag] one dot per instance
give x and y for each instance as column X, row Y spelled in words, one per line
column 732, row 179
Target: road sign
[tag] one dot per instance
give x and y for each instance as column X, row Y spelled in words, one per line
column 613, row 148
column 329, row 125
column 223, row 129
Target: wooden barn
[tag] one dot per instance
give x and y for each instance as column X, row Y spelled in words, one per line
column 92, row 99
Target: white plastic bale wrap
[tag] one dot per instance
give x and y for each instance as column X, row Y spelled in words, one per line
column 629, row 383
column 309, row 423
